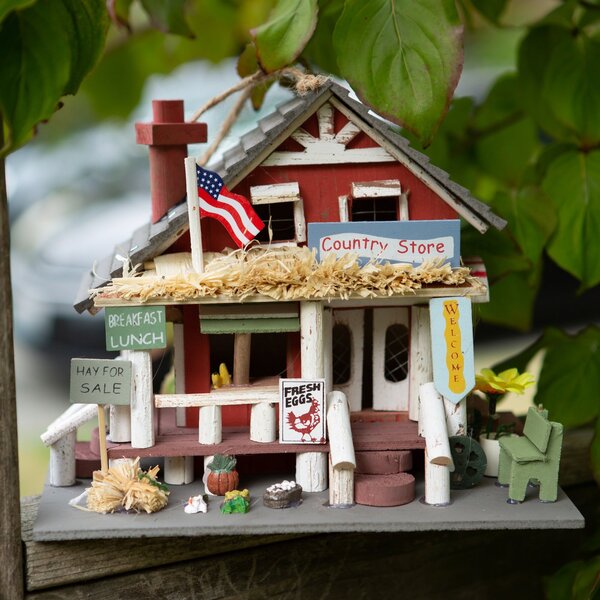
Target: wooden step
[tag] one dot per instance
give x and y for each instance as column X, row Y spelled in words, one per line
column 384, row 490
column 383, row 463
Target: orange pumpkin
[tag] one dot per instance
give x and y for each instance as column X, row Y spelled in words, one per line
column 222, row 476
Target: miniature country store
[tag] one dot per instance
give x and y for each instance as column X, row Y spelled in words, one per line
column 324, row 319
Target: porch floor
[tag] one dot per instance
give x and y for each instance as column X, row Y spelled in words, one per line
column 183, row 441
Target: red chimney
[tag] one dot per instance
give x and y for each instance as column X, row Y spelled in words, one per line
column 168, row 136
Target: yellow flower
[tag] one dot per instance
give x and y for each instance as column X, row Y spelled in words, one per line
column 508, row 381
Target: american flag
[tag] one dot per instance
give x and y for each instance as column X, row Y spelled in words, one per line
column 233, row 211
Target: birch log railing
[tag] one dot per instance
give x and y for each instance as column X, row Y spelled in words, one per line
column 342, row 461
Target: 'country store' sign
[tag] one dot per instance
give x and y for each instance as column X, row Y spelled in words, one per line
column 412, row 242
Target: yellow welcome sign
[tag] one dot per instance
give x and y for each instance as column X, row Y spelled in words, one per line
column 452, row 347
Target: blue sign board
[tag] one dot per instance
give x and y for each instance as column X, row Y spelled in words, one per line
column 412, row 242
column 452, row 347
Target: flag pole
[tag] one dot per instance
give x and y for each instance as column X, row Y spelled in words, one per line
column 193, row 204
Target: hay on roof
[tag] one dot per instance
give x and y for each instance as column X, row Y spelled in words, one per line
column 289, row 273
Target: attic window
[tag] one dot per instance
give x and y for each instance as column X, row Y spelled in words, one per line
column 375, row 201
column 281, row 209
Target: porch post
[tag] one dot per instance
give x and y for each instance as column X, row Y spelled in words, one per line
column 311, row 467
column 420, row 361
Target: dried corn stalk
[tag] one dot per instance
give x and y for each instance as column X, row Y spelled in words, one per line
column 289, row 273
column 127, row 486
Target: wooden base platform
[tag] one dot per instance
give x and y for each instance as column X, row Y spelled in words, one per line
column 181, row 441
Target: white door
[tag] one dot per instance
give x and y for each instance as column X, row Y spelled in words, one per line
column 387, row 342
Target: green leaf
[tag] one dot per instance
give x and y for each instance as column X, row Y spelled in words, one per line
column 320, row 50
column 512, row 300
column 570, row 378
column 490, row 9
column 46, row 50
column 168, row 16
column 7, row 6
column 247, row 65
column 560, row 585
column 573, row 184
column 402, row 58
column 595, row 457
column 531, row 218
column 282, row 38
column 587, row 580
column 118, row 10
column 558, row 75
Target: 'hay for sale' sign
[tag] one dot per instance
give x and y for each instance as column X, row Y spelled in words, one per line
column 302, row 411
column 411, row 242
column 100, row 381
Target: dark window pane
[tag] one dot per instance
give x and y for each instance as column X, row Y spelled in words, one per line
column 374, row 209
column 396, row 353
column 342, row 354
column 280, row 215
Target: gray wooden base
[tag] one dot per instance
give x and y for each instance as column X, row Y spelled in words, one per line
column 481, row 508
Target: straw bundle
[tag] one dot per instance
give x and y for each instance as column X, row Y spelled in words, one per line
column 289, row 273
column 127, row 486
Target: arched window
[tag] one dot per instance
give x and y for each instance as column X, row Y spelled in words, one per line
column 396, row 353
column 341, row 344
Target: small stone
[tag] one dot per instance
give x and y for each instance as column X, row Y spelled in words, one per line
column 282, row 495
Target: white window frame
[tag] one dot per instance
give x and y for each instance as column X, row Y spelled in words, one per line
column 375, row 189
column 277, row 193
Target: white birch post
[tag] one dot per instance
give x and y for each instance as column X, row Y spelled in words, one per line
column 263, row 422
column 327, row 350
column 142, row 402
column 120, row 423
column 62, row 460
column 179, row 470
column 420, row 360
column 193, row 204
column 456, row 417
column 342, row 461
column 179, row 366
column 210, row 430
column 432, row 423
column 311, row 467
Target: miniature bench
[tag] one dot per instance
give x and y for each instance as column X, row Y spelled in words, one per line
column 533, row 456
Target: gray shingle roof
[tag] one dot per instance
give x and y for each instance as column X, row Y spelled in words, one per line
column 151, row 240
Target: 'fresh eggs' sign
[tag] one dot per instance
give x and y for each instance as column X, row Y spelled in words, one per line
column 412, row 242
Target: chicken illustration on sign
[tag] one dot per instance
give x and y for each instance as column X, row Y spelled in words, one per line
column 302, row 418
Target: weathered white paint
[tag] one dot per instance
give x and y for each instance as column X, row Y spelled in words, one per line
column 376, row 189
column 62, row 460
column 275, row 192
column 193, row 203
column 433, row 424
column 142, row 402
column 456, row 417
column 263, row 423
column 353, row 319
column 299, row 221
column 437, row 483
column 120, row 424
column 210, row 430
column 179, row 367
column 115, row 462
column 420, row 362
column 227, row 396
column 303, row 137
column 387, row 395
column 341, row 446
column 327, row 349
column 403, row 207
column 179, row 470
column 397, row 155
column 347, row 133
column 325, row 119
column 328, row 153
column 341, row 487
column 311, row 471
column 68, row 422
column 311, row 467
column 343, row 208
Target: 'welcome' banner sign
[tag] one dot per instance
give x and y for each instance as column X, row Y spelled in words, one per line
column 412, row 242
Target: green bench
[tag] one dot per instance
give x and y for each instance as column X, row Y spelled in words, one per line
column 533, row 456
